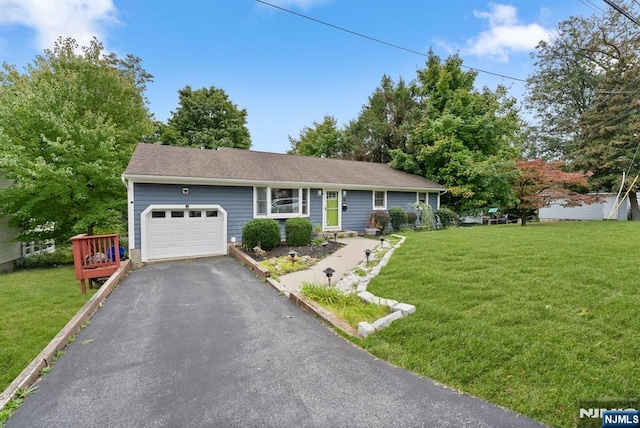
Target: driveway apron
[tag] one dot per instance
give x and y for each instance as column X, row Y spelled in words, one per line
column 204, row 343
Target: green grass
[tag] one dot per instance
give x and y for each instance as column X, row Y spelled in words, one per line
column 34, row 306
column 531, row 318
column 349, row 307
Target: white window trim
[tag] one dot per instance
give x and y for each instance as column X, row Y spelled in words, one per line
column 373, row 200
column 301, row 191
column 426, row 197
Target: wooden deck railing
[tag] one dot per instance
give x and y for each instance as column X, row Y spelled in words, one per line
column 95, row 256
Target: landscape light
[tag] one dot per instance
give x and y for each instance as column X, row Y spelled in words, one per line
column 367, row 253
column 329, row 272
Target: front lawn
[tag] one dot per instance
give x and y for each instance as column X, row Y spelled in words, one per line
column 530, row 318
column 34, row 306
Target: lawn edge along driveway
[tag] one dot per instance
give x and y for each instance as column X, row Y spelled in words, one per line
column 45, row 358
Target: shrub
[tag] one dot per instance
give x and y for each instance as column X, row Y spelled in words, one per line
column 62, row 256
column 298, row 231
column 261, row 232
column 398, row 218
column 412, row 218
column 380, row 219
column 445, row 217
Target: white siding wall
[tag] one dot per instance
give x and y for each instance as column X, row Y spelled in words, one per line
column 597, row 211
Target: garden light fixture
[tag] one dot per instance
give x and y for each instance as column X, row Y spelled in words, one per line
column 329, row 272
column 335, row 236
column 367, row 253
column 292, row 256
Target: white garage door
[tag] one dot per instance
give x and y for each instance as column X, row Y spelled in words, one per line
column 179, row 232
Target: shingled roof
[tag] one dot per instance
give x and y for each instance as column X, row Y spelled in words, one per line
column 156, row 163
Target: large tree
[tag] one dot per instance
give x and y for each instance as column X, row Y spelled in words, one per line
column 206, row 118
column 68, row 126
column 384, row 123
column 465, row 137
column 539, row 183
column 584, row 93
column 324, row 140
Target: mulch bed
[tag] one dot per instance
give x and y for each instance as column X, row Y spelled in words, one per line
column 306, row 250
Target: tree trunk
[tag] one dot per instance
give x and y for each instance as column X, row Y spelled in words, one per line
column 523, row 220
column 635, row 210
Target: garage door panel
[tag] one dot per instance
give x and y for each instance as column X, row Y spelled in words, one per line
column 185, row 233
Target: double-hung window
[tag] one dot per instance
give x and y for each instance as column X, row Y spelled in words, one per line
column 379, row 200
column 281, row 201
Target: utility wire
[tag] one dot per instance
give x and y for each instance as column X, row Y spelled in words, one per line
column 622, row 11
column 346, row 30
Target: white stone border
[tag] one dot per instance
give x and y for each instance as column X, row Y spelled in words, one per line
column 360, row 284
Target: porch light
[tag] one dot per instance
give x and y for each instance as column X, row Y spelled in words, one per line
column 319, row 192
column 367, row 253
column 329, row 272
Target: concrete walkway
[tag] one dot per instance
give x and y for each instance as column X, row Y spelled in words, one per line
column 342, row 261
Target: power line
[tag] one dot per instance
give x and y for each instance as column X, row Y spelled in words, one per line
column 373, row 39
column 622, row 11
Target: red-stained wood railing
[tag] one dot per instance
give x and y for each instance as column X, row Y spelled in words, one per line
column 95, row 256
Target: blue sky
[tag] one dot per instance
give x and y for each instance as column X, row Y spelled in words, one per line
column 287, row 71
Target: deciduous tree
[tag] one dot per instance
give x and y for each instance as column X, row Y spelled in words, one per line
column 323, row 140
column 206, row 118
column 465, row 138
column 538, row 183
column 68, row 126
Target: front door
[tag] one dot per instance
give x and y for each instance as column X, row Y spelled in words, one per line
column 332, row 209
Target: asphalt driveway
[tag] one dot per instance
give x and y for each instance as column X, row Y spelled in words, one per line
column 204, row 343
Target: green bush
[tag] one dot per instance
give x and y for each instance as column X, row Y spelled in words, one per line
column 412, row 218
column 261, row 232
column 62, row 256
column 298, row 231
column 446, row 217
column 398, row 218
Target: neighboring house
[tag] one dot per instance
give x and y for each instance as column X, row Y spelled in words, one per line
column 597, row 211
column 186, row 202
column 10, row 250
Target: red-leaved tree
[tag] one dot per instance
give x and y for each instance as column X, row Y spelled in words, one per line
column 540, row 183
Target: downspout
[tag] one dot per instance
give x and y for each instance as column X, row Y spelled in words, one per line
column 131, row 230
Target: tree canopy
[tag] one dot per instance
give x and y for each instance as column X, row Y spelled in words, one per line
column 584, row 93
column 206, row 118
column 68, row 126
column 538, row 183
column 465, row 138
column 383, row 123
column 323, row 140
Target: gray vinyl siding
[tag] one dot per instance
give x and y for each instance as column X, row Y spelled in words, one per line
column 401, row 199
column 359, row 205
column 433, row 201
column 315, row 207
column 236, row 201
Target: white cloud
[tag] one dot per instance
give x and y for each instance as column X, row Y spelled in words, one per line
column 506, row 34
column 80, row 19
